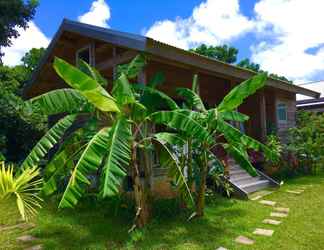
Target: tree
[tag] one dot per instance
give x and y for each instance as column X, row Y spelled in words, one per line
column 246, row 63
column 101, row 132
column 19, row 130
column 223, row 53
column 14, row 14
column 31, row 59
column 215, row 122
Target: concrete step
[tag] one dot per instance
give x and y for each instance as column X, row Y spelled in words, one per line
column 244, row 181
column 255, row 186
column 239, row 176
column 237, row 171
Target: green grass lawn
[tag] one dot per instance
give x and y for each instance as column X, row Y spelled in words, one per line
column 93, row 226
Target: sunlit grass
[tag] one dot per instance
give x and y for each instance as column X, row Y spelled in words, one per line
column 97, row 226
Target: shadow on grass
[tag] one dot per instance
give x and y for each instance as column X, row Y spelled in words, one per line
column 96, row 225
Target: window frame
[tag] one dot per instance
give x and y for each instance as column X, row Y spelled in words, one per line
column 281, row 106
column 88, row 47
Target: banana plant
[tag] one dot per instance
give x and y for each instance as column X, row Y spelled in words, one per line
column 103, row 132
column 216, row 122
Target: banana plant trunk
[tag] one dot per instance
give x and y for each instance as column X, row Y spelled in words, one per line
column 200, row 202
column 142, row 208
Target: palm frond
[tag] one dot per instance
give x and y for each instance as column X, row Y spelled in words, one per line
column 118, row 157
column 237, row 95
column 132, row 69
column 24, row 187
column 154, row 99
column 90, row 159
column 48, row 141
column 87, row 86
column 60, row 101
column 183, row 121
column 122, row 90
column 193, row 100
column 93, row 72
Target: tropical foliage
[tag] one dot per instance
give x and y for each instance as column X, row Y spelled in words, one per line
column 112, row 135
column 24, row 186
column 306, row 142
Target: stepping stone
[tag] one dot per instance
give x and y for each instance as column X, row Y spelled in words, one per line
column 256, row 198
column 37, row 247
column 279, row 215
column 23, row 226
column 293, row 192
column 26, row 238
column 282, row 209
column 244, row 240
column 268, row 203
column 221, row 248
column 263, row 232
column 271, row 222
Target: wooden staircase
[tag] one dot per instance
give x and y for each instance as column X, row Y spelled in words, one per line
column 244, row 184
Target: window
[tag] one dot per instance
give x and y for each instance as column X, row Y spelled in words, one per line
column 85, row 55
column 282, row 112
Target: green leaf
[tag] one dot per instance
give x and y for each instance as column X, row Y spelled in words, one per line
column 132, row 69
column 118, row 157
column 241, row 158
column 170, row 138
column 48, row 141
column 154, row 99
column 237, row 95
column 192, row 99
column 183, row 121
column 236, row 137
column 87, row 86
column 93, row 72
column 60, row 101
column 90, row 159
column 234, row 116
column 122, row 90
column 181, row 179
column 158, row 79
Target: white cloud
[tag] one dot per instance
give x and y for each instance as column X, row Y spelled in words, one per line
column 99, row 14
column 212, row 22
column 288, row 29
column 30, row 38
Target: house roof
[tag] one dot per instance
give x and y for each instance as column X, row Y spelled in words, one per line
column 310, row 102
column 162, row 50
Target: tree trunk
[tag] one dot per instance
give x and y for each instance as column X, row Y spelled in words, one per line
column 142, row 209
column 200, row 202
column 189, row 165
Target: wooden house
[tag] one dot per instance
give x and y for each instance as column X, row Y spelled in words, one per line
column 272, row 107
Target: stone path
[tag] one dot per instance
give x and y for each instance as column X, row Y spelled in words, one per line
column 26, row 238
column 37, row 247
column 271, row 222
column 268, row 203
column 23, row 226
column 293, row 191
column 244, row 240
column 278, row 215
column 282, row 209
column 263, row 232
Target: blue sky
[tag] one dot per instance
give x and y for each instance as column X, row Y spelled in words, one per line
column 283, row 36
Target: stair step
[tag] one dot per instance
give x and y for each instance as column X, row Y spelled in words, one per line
column 237, row 171
column 239, row 176
column 247, row 180
column 254, row 186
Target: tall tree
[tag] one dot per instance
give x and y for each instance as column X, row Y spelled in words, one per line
column 224, row 53
column 31, row 58
column 246, row 63
column 18, row 131
column 14, row 14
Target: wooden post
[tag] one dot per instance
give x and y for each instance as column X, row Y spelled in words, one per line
column 114, row 54
column 263, row 117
